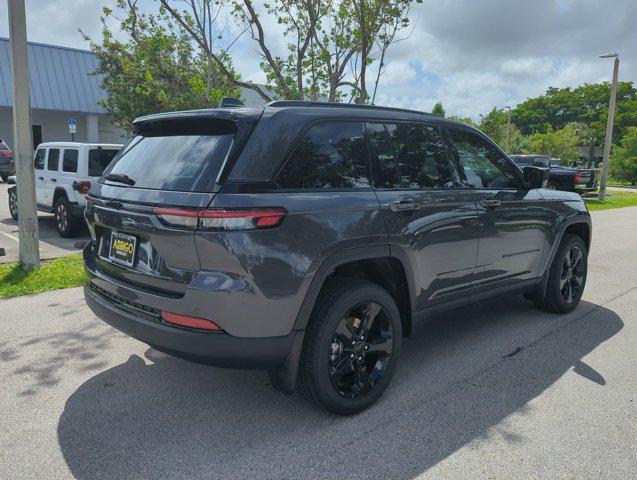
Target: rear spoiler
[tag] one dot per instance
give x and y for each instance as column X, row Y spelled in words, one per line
column 198, row 122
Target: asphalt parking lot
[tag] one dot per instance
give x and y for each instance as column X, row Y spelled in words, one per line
column 498, row 390
column 51, row 244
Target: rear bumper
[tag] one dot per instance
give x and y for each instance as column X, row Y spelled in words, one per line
column 219, row 349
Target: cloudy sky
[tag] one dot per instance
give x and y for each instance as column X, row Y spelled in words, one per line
column 470, row 54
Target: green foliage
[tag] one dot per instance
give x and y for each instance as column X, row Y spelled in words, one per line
column 62, row 272
column 623, row 162
column 587, row 105
column 560, row 144
column 466, row 120
column 156, row 69
column 494, row 125
column 438, row 110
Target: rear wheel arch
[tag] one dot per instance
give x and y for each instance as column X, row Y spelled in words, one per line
column 59, row 192
column 375, row 264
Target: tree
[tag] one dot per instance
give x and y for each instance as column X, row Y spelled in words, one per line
column 586, row 104
column 331, row 44
column 623, row 162
column 466, row 120
column 560, row 144
column 156, row 69
column 494, row 125
column 438, row 110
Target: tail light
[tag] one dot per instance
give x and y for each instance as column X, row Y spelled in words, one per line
column 82, row 187
column 222, row 219
column 6, row 154
column 190, row 322
column 577, row 176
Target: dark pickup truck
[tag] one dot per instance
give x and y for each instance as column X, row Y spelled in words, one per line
column 560, row 178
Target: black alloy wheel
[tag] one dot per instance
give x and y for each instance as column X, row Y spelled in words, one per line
column 13, row 203
column 572, row 275
column 351, row 347
column 360, row 350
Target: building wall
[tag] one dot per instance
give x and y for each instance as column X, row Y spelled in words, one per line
column 55, row 126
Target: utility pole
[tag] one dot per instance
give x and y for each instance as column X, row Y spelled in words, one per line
column 22, row 138
column 507, row 141
column 609, row 125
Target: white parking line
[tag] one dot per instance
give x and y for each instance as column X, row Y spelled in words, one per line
column 10, row 236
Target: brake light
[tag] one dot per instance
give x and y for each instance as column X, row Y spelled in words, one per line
column 222, row 219
column 6, row 153
column 577, row 176
column 190, row 322
column 82, row 187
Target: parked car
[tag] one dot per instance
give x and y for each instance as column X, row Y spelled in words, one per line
column 64, row 172
column 580, row 180
column 559, row 177
column 308, row 239
column 7, row 165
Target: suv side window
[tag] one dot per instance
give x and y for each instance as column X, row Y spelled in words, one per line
column 421, row 153
column 330, row 155
column 383, row 162
column 69, row 161
column 482, row 165
column 53, row 162
column 39, row 159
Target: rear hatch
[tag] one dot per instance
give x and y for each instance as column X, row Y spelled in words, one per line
column 174, row 163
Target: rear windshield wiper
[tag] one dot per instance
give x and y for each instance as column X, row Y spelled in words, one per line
column 120, row 178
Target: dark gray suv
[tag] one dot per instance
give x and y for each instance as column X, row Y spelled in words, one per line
column 308, row 238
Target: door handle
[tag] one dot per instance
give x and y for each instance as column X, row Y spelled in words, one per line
column 40, row 178
column 54, row 179
column 492, row 203
column 404, row 206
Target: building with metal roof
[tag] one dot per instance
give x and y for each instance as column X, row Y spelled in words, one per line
column 63, row 90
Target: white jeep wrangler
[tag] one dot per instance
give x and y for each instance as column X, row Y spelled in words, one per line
column 63, row 174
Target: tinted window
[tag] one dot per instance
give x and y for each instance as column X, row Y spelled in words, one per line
column 177, row 162
column 330, row 155
column 481, row 163
column 69, row 161
column 384, row 164
column 39, row 159
column 54, row 159
column 531, row 160
column 98, row 160
column 422, row 156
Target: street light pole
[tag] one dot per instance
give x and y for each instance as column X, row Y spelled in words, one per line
column 22, row 138
column 609, row 126
column 507, row 141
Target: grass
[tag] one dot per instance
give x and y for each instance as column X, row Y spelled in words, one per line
column 62, row 272
column 614, row 199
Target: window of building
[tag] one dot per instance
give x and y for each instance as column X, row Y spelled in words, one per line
column 330, row 155
column 53, row 162
column 482, row 165
column 69, row 161
column 39, row 159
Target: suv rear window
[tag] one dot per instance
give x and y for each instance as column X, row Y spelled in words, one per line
column 98, row 160
column 173, row 162
column 330, row 155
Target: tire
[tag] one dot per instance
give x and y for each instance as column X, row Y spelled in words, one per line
column 567, row 276
column 66, row 224
column 5, row 178
column 13, row 203
column 346, row 365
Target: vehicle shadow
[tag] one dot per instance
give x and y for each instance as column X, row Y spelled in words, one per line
column 461, row 375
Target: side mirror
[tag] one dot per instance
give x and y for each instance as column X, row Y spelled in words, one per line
column 535, row 177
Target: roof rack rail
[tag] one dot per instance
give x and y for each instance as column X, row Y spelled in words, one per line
column 304, row 103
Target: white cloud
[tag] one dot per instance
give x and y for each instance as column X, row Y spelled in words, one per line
column 398, row 73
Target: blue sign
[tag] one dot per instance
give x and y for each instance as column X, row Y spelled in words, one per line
column 72, row 122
